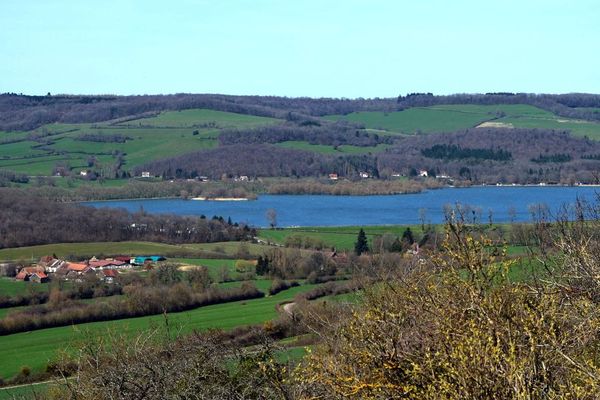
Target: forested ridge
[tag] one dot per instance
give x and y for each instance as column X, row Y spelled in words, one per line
column 26, row 220
column 303, row 137
column 482, row 155
column 22, row 112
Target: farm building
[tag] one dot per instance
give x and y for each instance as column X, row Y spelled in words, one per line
column 51, row 264
column 77, row 267
column 107, row 264
column 34, row 274
column 140, row 260
column 38, row 277
column 108, row 275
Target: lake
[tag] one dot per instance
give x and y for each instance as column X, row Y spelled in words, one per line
column 505, row 204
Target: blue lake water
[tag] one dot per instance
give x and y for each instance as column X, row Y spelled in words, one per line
column 322, row 210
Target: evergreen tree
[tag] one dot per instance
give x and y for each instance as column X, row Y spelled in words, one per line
column 262, row 265
column 361, row 245
column 407, row 235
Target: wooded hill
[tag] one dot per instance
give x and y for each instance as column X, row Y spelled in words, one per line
column 483, row 138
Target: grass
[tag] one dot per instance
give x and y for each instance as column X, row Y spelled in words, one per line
column 414, row 120
column 213, row 265
column 36, row 348
column 190, row 118
column 262, row 284
column 291, row 354
column 33, row 253
column 449, row 118
column 577, row 128
column 342, row 238
column 166, row 135
column 12, row 287
column 24, row 392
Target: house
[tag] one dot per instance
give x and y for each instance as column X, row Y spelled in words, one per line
column 333, row 177
column 364, row 175
column 203, row 178
column 145, row 174
column 74, row 271
column 423, row 173
column 108, row 275
column 83, row 173
column 22, row 276
column 26, row 273
column 38, row 277
column 51, row 264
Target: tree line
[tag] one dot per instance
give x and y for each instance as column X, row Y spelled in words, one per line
column 259, row 160
column 454, row 152
column 22, row 112
column 27, row 221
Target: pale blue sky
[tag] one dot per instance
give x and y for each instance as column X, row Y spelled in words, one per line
column 350, row 48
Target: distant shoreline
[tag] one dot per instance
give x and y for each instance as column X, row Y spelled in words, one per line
column 202, row 198
column 225, row 199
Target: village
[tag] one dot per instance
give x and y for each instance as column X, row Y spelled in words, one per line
column 50, row 268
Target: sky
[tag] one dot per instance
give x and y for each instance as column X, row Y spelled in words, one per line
column 315, row 48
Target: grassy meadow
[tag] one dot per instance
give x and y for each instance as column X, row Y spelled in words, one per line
column 449, row 118
column 342, row 238
column 36, row 348
column 173, row 133
column 128, row 248
column 167, row 134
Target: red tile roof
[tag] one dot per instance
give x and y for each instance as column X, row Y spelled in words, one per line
column 110, row 273
column 21, row 275
column 76, row 267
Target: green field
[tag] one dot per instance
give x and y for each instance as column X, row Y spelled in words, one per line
column 36, row 348
column 214, row 266
column 449, row 118
column 342, row 238
column 24, row 392
column 165, row 135
column 33, row 253
column 194, row 117
column 11, row 287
